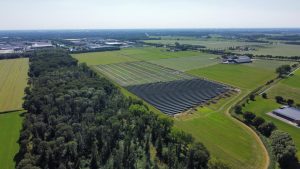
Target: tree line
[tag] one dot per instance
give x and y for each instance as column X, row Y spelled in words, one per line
column 78, row 119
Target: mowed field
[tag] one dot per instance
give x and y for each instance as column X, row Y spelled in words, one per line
column 189, row 63
column 13, row 79
column 136, row 73
column 210, row 44
column 263, row 106
column 131, row 55
column 288, row 88
column 278, row 49
column 241, row 76
column 10, row 126
column 226, row 139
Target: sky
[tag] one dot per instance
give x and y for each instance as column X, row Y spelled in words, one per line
column 149, row 14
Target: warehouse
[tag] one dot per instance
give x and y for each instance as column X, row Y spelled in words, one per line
column 289, row 113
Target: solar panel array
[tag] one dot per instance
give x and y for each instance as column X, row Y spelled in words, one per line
column 178, row 96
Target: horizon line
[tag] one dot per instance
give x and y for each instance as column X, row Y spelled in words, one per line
column 94, row 29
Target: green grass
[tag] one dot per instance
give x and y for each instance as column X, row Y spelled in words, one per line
column 102, row 58
column 10, row 126
column 277, row 49
column 211, row 44
column 152, row 53
column 130, row 55
column 241, row 76
column 269, row 65
column 135, row 73
column 225, row 139
column 13, row 80
column 288, row 88
column 188, row 63
column 262, row 106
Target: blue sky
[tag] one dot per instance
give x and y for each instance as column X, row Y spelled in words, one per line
column 119, row 14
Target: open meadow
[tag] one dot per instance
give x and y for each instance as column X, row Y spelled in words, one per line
column 263, row 106
column 13, row 75
column 277, row 49
column 241, row 76
column 188, row 63
column 10, row 126
column 136, row 73
column 210, row 44
column 225, row 138
column 288, row 88
column 130, row 55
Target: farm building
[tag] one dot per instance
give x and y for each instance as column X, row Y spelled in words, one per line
column 289, row 113
column 237, row 59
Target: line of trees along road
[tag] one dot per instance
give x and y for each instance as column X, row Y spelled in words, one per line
column 76, row 119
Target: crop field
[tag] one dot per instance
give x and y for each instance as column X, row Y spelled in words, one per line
column 241, row 76
column 262, row 106
column 152, row 53
column 188, row 63
column 277, row 49
column 288, row 88
column 135, row 73
column 102, row 58
column 211, row 44
column 178, row 96
column 130, row 55
column 224, row 138
column 10, row 126
column 269, row 65
column 13, row 80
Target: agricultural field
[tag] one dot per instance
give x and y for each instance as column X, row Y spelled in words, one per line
column 13, row 75
column 225, row 138
column 208, row 43
column 277, row 49
column 153, row 53
column 130, row 55
column 189, row 63
column 288, row 88
column 102, row 58
column 262, row 106
column 135, row 73
column 241, row 76
column 10, row 126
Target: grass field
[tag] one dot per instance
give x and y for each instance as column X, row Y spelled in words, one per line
column 262, row 106
column 225, row 139
column 277, row 49
column 211, row 44
column 13, row 79
column 135, row 73
column 188, row 63
column 288, row 88
column 152, row 53
column 130, row 55
column 241, row 76
column 10, row 126
column 102, row 58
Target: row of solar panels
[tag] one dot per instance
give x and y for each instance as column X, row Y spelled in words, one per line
column 178, row 96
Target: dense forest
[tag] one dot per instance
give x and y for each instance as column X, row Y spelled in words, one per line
column 77, row 119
